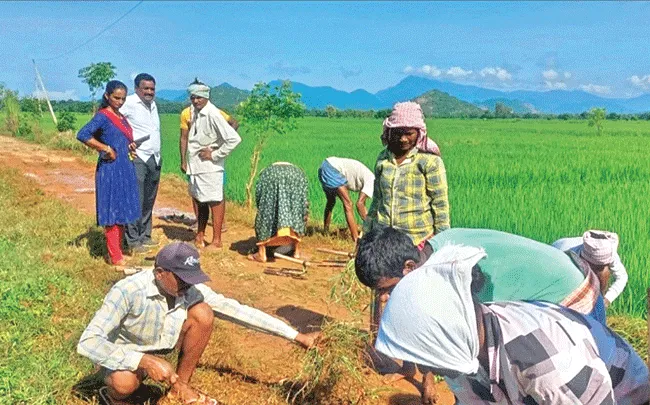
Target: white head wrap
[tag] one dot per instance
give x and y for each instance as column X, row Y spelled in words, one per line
column 598, row 247
column 199, row 90
column 429, row 318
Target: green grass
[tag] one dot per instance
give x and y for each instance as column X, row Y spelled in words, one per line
column 538, row 178
column 48, row 291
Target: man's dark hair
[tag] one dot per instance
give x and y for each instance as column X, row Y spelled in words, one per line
column 143, row 76
column 382, row 252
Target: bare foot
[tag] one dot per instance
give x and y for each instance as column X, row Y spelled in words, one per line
column 255, row 257
column 120, row 266
column 199, row 243
column 213, row 246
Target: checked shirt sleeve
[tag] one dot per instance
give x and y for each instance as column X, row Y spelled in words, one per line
column 437, row 190
column 94, row 342
column 244, row 315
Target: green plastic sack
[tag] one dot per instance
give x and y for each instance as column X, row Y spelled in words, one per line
column 516, row 268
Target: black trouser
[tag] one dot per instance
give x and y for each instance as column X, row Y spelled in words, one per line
column 148, row 174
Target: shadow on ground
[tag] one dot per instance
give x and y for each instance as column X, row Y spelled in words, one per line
column 94, row 241
column 245, row 246
column 87, row 389
column 304, row 320
column 405, row 399
column 177, row 232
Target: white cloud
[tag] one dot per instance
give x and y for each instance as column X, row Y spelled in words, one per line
column 642, row 81
column 408, row 69
column 596, row 88
column 550, row 74
column 497, row 72
column 56, row 95
column 567, row 75
column 457, row 71
column 430, row 70
column 555, row 85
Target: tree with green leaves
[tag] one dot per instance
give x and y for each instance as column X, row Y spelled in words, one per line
column 96, row 75
column 596, row 117
column 264, row 113
column 10, row 106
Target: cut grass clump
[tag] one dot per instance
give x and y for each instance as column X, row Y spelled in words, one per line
column 348, row 291
column 332, row 372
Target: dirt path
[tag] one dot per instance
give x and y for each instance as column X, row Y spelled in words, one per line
column 258, row 357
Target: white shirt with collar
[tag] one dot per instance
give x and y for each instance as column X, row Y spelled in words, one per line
column 209, row 129
column 144, row 121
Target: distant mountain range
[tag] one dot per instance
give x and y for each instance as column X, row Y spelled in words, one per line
column 555, row 101
column 224, row 96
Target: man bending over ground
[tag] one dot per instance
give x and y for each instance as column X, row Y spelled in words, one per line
column 339, row 176
column 505, row 352
column 515, row 268
column 599, row 250
column 155, row 311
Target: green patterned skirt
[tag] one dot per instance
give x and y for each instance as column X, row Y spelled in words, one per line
column 282, row 199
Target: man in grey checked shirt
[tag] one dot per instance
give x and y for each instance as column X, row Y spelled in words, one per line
column 158, row 310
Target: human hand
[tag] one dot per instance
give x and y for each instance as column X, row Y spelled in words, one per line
column 205, row 154
column 429, row 392
column 607, row 303
column 158, row 369
column 109, row 154
column 184, row 167
column 307, row 340
column 132, row 148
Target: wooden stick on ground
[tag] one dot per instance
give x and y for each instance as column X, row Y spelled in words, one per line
column 304, row 263
column 335, row 252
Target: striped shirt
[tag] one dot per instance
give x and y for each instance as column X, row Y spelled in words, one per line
column 543, row 353
column 135, row 318
column 411, row 196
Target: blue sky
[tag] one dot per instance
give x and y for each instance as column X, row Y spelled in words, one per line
column 599, row 47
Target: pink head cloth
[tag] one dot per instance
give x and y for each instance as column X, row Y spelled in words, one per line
column 409, row 115
column 599, row 247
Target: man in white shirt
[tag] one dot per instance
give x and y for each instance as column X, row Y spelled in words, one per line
column 141, row 112
column 210, row 140
column 154, row 311
column 338, row 176
column 598, row 249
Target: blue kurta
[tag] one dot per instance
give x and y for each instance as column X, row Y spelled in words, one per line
column 117, row 198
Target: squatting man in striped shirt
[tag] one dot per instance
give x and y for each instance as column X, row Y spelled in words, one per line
column 155, row 311
column 508, row 352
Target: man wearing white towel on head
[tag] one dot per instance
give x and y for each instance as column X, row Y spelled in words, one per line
column 598, row 249
column 210, row 140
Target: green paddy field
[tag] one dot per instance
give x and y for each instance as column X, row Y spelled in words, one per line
column 543, row 179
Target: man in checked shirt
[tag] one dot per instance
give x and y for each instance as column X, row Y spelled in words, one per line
column 155, row 311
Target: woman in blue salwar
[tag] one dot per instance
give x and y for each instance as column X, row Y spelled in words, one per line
column 116, row 187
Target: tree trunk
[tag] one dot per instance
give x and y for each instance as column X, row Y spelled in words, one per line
column 249, row 185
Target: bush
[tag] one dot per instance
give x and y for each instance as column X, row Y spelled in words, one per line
column 11, row 109
column 25, row 131
column 66, row 122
